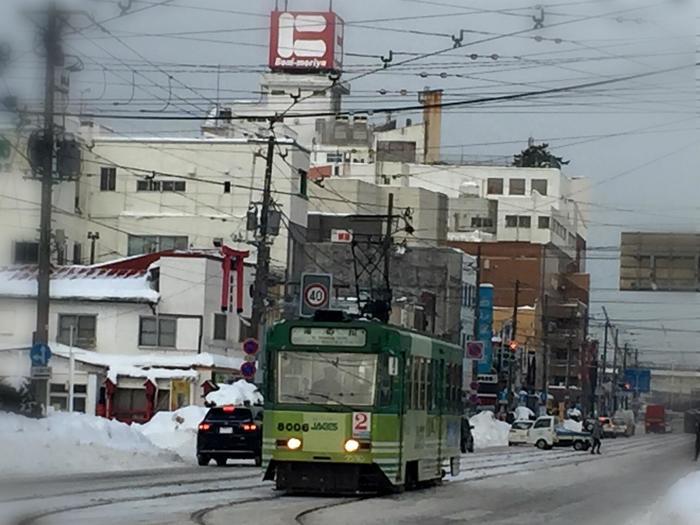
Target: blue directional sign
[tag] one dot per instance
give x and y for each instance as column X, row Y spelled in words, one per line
column 40, row 355
column 639, row 379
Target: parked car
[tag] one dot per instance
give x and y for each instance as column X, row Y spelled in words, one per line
column 608, row 427
column 547, row 432
column 230, row 432
column 623, row 428
column 518, row 434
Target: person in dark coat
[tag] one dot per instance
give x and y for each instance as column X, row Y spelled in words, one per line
column 697, row 441
column 597, row 434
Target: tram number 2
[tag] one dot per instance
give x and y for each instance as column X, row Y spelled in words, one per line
column 361, row 424
column 293, row 427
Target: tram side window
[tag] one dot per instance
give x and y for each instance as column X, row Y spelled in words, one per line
column 431, row 385
column 411, row 387
column 446, row 386
column 386, row 382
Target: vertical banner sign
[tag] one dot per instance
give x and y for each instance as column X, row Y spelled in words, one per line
column 486, row 326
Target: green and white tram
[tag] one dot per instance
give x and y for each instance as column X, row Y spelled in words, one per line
column 359, row 406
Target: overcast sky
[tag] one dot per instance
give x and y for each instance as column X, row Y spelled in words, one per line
column 644, row 177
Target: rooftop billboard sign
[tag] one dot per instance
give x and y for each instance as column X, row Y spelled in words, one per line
column 306, row 41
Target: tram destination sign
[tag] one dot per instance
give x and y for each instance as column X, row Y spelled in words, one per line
column 308, row 336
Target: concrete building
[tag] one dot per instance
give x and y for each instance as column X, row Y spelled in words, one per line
column 20, row 199
column 151, row 194
column 158, row 311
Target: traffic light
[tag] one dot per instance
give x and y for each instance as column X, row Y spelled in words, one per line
column 513, row 345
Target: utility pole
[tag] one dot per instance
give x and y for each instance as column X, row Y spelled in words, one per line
column 601, row 379
column 614, row 383
column 257, row 320
column 93, row 237
column 624, row 367
column 513, row 338
column 545, row 364
column 52, row 44
column 388, row 242
column 477, row 311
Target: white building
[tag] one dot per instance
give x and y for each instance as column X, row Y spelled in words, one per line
column 147, row 317
column 150, row 194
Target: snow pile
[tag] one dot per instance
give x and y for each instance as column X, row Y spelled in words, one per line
column 573, row 413
column 175, row 431
column 574, row 426
column 239, row 393
column 523, row 414
column 488, row 431
column 65, row 443
column 681, row 506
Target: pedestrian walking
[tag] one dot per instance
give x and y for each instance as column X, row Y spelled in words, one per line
column 697, row 441
column 597, row 434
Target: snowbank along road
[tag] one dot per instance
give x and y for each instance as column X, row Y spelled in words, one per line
column 497, row 486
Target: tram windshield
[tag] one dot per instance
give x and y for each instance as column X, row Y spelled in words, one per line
column 326, row 378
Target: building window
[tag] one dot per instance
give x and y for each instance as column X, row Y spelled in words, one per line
column 108, row 179
column 543, row 222
column 524, row 221
column 161, row 185
column 540, row 186
column 59, row 397
column 157, row 331
column 83, row 327
column 494, row 186
column 482, row 222
column 220, row 327
column 77, row 253
column 511, row 221
column 26, row 252
column 303, row 183
column 142, row 244
column 334, row 158
column 517, row 187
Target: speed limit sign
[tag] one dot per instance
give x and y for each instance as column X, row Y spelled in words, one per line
column 315, row 293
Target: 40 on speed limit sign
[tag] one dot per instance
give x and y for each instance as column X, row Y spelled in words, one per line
column 315, row 293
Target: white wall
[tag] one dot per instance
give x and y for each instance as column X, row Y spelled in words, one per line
column 20, row 198
column 204, row 212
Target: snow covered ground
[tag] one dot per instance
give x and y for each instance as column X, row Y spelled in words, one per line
column 175, row 431
column 488, row 431
column 75, row 443
column 681, row 506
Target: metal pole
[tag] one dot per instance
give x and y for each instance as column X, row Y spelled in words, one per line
column 614, row 384
column 601, row 379
column 51, row 44
column 477, row 310
column 257, row 320
column 545, row 364
column 513, row 338
column 71, row 371
column 387, row 254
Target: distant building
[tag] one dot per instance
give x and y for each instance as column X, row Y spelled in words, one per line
column 660, row 262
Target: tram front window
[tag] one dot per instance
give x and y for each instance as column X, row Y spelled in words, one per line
column 326, row 378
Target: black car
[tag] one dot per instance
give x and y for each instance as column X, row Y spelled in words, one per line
column 230, row 432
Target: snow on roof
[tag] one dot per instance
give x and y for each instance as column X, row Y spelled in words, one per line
column 152, row 374
column 473, row 236
column 80, row 283
column 143, row 361
column 240, row 393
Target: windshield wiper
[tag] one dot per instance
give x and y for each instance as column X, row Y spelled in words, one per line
column 308, row 401
column 331, row 399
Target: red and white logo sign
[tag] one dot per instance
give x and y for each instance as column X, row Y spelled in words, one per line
column 341, row 236
column 307, row 41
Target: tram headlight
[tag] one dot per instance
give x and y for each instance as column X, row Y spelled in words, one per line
column 351, row 445
column 294, row 443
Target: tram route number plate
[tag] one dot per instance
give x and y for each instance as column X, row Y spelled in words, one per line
column 361, row 424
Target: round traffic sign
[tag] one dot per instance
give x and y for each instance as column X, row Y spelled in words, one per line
column 248, row 370
column 316, row 295
column 251, row 346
